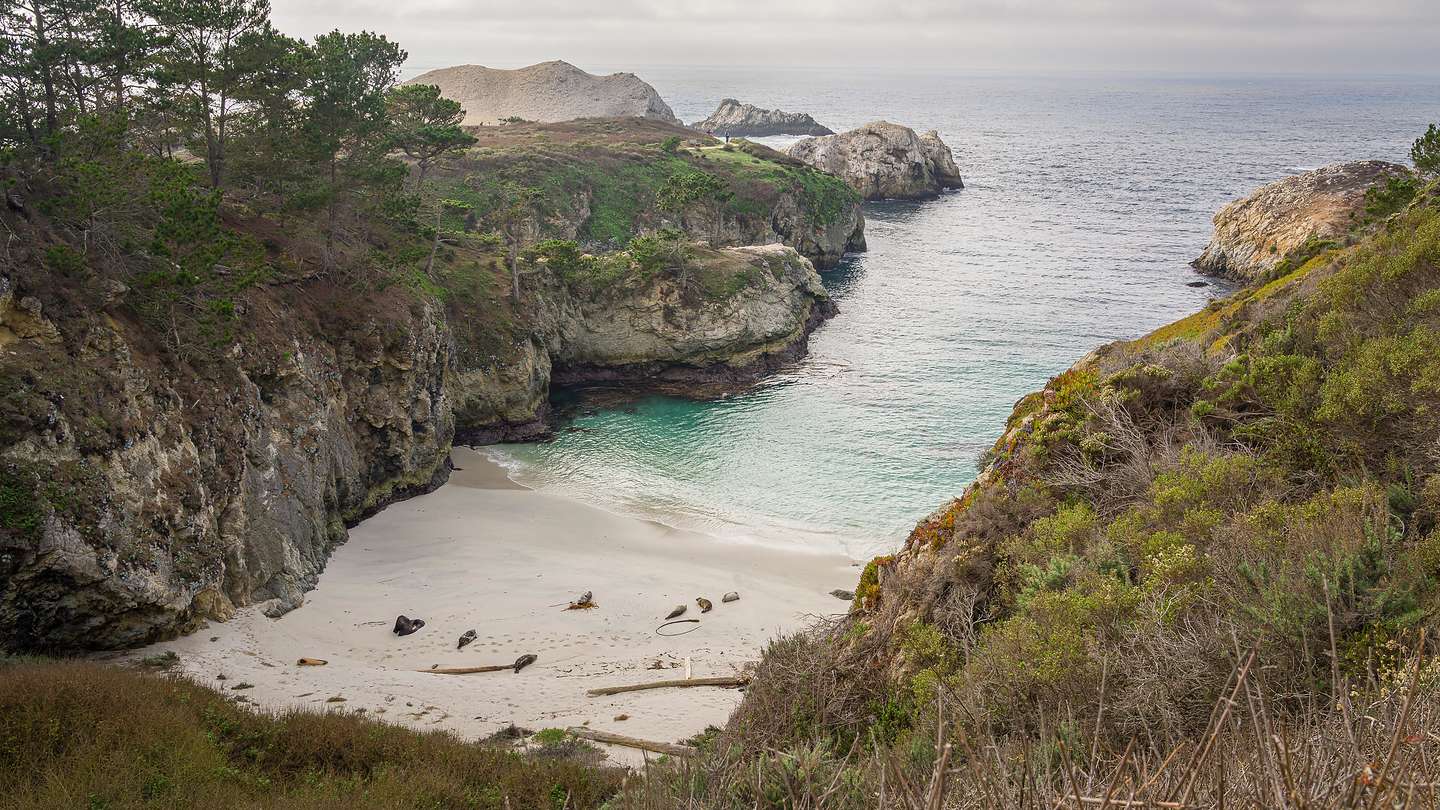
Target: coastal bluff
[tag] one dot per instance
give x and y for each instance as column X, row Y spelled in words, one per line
column 546, row 92
column 733, row 119
column 1255, row 232
column 884, row 161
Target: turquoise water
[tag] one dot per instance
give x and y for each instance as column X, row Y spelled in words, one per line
column 1085, row 200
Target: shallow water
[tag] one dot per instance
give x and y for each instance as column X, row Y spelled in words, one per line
column 1085, row 199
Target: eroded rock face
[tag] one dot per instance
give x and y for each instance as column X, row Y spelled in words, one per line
column 137, row 501
column 732, row 118
column 140, row 501
column 1254, row 233
column 547, row 92
column 670, row 338
column 882, row 160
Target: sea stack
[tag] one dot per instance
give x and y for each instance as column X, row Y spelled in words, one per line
column 733, row 119
column 1254, row 233
column 884, row 161
column 547, row 92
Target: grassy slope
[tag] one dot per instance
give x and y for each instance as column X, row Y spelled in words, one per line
column 1263, row 475
column 83, row 735
column 617, row 167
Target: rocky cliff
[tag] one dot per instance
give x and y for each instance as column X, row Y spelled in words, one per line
column 139, row 501
column 549, row 91
column 882, row 160
column 152, row 478
column 1256, row 232
column 734, row 119
column 600, row 182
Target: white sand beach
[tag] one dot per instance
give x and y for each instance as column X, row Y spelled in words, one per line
column 483, row 553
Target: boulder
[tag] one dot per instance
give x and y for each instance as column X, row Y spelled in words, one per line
column 732, row 118
column 882, row 160
column 1256, row 232
column 549, row 91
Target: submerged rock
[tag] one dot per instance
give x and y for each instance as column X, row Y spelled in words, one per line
column 732, row 118
column 882, row 160
column 1256, row 232
column 549, row 91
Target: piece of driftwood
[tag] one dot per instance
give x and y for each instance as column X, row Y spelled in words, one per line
column 311, row 662
column 731, row 680
column 464, row 670
column 672, row 749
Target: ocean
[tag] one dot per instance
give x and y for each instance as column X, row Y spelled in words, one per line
column 1086, row 197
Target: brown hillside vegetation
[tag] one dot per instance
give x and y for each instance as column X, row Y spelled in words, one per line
column 84, row 735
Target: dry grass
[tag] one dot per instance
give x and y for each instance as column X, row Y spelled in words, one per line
column 1376, row 747
column 84, row 735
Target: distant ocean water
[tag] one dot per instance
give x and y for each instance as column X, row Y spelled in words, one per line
column 1085, row 199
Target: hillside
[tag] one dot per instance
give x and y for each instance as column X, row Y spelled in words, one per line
column 1247, row 499
column 600, row 182
column 547, row 92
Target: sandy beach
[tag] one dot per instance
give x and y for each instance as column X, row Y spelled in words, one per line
column 486, row 554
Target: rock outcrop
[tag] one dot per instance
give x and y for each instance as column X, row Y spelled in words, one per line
column 666, row 337
column 549, row 91
column 882, row 160
column 137, row 501
column 734, row 119
column 773, row 198
column 1256, row 232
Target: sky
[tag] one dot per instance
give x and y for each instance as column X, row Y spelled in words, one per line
column 1319, row 37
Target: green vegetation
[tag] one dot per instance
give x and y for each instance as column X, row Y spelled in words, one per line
column 83, row 735
column 1425, row 154
column 1260, row 478
column 604, row 192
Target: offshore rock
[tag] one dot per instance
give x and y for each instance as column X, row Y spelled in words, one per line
column 732, row 118
column 882, row 161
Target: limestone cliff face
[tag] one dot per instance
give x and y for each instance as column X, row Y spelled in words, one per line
column 549, row 91
column 662, row 334
column 139, row 501
column 139, row 498
column 788, row 223
column 882, row 160
column 732, row 118
column 1255, row 232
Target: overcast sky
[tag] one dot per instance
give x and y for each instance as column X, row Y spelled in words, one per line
column 1331, row 37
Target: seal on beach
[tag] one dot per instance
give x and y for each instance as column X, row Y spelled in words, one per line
column 843, row 594
column 730, row 597
column 524, row 661
column 678, row 611
column 404, row 625
column 704, row 604
column 468, row 637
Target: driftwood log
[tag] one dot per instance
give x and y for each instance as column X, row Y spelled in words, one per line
column 465, row 670
column 673, row 749
column 732, row 680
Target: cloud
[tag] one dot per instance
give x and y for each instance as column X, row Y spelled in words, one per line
column 1184, row 35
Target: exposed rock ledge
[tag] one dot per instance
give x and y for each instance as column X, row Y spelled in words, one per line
column 732, row 118
column 140, row 502
column 882, row 161
column 549, row 91
column 653, row 336
column 1254, row 233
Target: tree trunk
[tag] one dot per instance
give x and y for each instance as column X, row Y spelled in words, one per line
column 435, row 245
column 47, row 76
